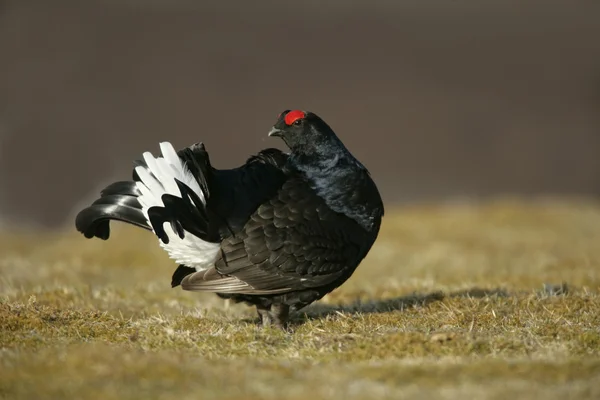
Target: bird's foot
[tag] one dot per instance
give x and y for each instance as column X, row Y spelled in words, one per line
column 275, row 315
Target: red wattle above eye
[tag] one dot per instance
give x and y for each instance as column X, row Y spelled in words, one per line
column 293, row 116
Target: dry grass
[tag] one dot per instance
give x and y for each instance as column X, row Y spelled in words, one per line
column 449, row 304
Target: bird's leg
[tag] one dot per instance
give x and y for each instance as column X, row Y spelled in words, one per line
column 275, row 314
column 279, row 314
column 263, row 314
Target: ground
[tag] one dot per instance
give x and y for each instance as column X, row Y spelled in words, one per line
column 455, row 301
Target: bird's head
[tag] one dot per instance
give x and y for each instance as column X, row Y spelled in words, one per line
column 304, row 131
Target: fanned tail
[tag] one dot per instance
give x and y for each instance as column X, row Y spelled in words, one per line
column 168, row 195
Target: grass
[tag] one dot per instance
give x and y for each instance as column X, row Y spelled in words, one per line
column 450, row 303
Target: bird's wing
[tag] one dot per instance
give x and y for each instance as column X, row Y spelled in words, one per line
column 293, row 241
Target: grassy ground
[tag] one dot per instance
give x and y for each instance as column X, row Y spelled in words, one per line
column 449, row 304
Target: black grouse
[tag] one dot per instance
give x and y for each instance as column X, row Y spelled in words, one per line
column 279, row 232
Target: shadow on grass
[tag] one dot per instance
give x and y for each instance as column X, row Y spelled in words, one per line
column 316, row 311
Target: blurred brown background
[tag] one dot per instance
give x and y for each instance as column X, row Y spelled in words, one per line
column 438, row 98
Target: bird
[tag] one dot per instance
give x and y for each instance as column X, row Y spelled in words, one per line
column 278, row 232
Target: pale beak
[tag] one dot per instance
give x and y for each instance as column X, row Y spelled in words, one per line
column 275, row 132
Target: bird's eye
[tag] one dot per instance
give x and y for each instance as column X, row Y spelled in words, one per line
column 297, row 122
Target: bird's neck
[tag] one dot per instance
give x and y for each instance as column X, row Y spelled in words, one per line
column 344, row 183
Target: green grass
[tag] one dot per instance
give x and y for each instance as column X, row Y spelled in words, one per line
column 450, row 303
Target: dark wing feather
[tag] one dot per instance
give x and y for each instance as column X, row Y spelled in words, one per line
column 293, row 241
column 236, row 193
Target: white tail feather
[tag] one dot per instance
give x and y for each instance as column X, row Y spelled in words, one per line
column 157, row 179
column 179, row 169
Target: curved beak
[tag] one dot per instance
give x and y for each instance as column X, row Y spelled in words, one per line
column 275, row 132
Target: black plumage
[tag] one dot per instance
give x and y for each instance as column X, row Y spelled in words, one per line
column 285, row 229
